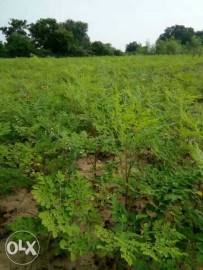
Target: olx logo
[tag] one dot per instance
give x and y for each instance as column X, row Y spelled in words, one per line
column 30, row 249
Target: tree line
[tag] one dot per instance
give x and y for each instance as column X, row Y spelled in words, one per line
column 47, row 37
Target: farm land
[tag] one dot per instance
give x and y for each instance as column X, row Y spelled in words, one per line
column 102, row 159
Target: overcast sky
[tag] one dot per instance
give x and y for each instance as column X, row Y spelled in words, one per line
column 111, row 21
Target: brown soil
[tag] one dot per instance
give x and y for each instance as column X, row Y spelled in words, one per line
column 88, row 164
column 22, row 204
column 19, row 204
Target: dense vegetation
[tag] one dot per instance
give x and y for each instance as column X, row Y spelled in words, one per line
column 47, row 37
column 140, row 119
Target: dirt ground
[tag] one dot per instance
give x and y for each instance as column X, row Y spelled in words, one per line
column 22, row 204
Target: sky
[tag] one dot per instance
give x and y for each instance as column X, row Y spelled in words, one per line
column 111, row 21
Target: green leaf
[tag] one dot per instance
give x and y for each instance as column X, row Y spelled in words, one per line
column 199, row 236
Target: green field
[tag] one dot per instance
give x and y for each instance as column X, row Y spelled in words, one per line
column 112, row 149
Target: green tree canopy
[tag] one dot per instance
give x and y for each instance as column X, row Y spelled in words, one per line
column 179, row 32
column 196, row 45
column 70, row 38
column 61, row 42
column 79, row 30
column 133, row 47
column 19, row 46
column 2, row 50
column 15, row 27
column 100, row 49
column 200, row 35
column 169, row 46
column 42, row 32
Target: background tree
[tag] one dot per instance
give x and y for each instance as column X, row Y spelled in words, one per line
column 196, row 46
column 2, row 50
column 101, row 49
column 169, row 46
column 70, row 38
column 148, row 48
column 42, row 32
column 51, row 35
column 179, row 32
column 117, row 52
column 133, row 47
column 15, row 27
column 199, row 34
column 161, row 47
column 61, row 42
column 173, row 46
column 79, row 30
column 19, row 46
column 81, row 41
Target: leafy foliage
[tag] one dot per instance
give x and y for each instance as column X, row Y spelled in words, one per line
column 19, row 46
column 47, row 37
column 15, row 27
column 179, row 32
column 133, row 47
column 140, row 120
